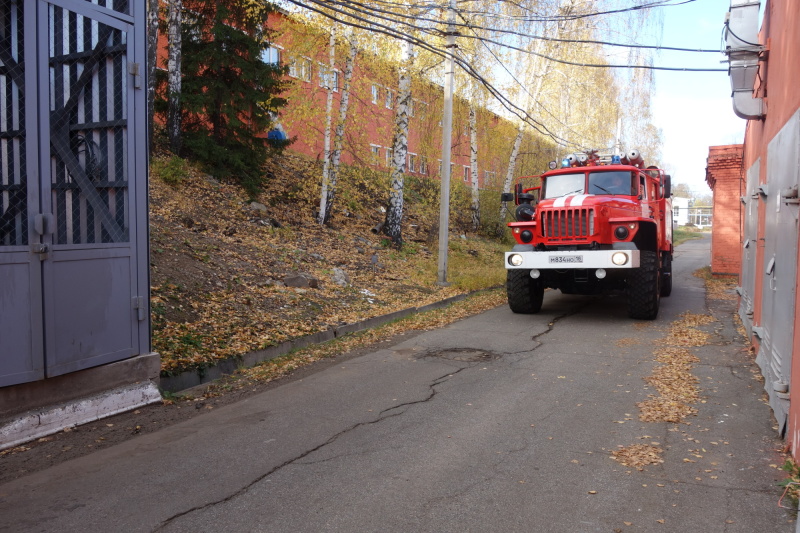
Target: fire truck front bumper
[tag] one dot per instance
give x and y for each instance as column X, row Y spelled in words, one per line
column 572, row 260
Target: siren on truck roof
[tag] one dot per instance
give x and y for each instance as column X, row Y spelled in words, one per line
column 591, row 158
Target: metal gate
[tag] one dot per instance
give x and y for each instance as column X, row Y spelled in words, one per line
column 749, row 247
column 780, row 271
column 73, row 275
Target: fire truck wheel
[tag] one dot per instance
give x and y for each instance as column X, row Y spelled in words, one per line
column 643, row 288
column 525, row 294
column 666, row 275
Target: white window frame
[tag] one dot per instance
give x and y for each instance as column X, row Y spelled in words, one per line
column 411, row 162
column 389, row 102
column 324, row 74
column 376, row 93
column 375, row 153
column 467, row 173
column 389, row 157
column 423, row 165
column 272, row 55
column 300, row 68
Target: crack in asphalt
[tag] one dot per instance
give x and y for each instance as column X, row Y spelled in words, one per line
column 552, row 324
column 382, row 415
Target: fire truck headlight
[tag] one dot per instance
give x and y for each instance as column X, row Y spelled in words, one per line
column 515, row 260
column 535, row 273
column 619, row 258
column 526, row 236
column 600, row 273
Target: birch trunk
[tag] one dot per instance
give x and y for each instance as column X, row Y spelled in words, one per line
column 338, row 139
column 152, row 44
column 512, row 164
column 324, row 209
column 174, row 20
column 473, row 162
column 394, row 215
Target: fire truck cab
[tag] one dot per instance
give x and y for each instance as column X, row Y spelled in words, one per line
column 597, row 223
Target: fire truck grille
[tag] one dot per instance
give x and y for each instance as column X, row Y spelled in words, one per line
column 567, row 223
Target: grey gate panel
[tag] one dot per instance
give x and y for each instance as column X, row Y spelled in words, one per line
column 73, row 261
column 89, row 278
column 749, row 247
column 778, row 303
column 21, row 355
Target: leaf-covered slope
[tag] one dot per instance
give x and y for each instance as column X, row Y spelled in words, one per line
column 229, row 275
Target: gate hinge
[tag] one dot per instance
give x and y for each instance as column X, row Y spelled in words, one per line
column 133, row 68
column 140, row 305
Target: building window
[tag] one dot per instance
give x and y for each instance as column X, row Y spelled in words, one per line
column 412, row 162
column 389, row 103
column 271, row 56
column 389, row 156
column 489, row 177
column 327, row 78
column 422, row 109
column 376, row 93
column 300, row 68
column 410, row 107
column 375, row 153
column 423, row 165
column 466, row 173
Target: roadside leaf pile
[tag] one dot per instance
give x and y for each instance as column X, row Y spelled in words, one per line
column 638, row 455
column 673, row 379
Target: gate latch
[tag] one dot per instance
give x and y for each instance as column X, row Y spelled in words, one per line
column 42, row 249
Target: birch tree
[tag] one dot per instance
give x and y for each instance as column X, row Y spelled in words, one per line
column 174, row 20
column 324, row 209
column 152, row 47
column 338, row 139
column 394, row 214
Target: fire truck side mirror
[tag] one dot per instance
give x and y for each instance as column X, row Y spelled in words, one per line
column 667, row 186
column 507, row 197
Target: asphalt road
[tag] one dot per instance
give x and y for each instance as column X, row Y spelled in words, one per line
column 500, row 422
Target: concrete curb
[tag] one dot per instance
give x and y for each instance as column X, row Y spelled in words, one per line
column 46, row 421
column 192, row 378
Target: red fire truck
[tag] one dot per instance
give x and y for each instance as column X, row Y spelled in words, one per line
column 597, row 223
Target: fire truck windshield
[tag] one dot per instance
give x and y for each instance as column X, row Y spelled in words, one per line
column 563, row 184
column 612, row 182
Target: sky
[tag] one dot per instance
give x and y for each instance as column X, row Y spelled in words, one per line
column 694, row 110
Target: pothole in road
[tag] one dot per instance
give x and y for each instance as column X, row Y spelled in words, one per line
column 467, row 355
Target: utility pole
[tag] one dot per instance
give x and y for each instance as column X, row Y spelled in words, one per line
column 447, row 137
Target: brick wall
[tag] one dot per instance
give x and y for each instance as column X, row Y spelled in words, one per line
column 724, row 176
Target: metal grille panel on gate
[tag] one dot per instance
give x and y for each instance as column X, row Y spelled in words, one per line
column 88, row 130
column 13, row 182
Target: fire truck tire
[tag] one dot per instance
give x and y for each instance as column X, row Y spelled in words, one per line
column 666, row 275
column 643, row 288
column 525, row 294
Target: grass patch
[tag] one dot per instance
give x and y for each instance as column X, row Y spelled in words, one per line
column 685, row 233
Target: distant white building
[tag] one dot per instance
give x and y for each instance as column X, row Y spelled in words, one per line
column 680, row 211
column 683, row 214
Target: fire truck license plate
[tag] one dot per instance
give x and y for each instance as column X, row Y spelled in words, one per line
column 566, row 259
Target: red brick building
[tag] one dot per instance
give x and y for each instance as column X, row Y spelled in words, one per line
column 724, row 176
column 304, row 48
